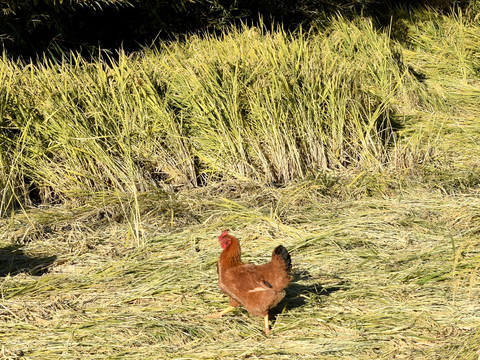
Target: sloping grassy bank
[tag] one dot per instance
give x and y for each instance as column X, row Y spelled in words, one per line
column 269, row 108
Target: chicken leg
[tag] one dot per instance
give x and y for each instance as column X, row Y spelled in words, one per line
column 267, row 327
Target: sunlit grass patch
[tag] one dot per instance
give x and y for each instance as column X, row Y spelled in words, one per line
column 371, row 276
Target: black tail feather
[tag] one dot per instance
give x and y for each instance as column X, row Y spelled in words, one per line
column 280, row 250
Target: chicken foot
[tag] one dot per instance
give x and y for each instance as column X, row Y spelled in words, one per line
column 221, row 313
column 231, row 308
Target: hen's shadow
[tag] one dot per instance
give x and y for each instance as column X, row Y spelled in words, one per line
column 13, row 261
column 297, row 293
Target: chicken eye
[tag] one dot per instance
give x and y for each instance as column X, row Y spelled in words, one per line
column 225, row 243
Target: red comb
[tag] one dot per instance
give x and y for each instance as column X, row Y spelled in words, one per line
column 224, row 233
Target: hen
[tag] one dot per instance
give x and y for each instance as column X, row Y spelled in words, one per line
column 257, row 287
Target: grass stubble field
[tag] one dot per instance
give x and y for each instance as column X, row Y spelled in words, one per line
column 386, row 253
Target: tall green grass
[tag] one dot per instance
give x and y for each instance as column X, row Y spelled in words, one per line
column 446, row 49
column 264, row 106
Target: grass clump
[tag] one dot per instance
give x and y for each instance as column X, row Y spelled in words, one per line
column 293, row 105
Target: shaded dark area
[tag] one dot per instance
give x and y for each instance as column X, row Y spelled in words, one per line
column 13, row 261
column 298, row 294
column 31, row 28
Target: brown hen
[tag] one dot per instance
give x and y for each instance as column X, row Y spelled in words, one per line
column 257, row 287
